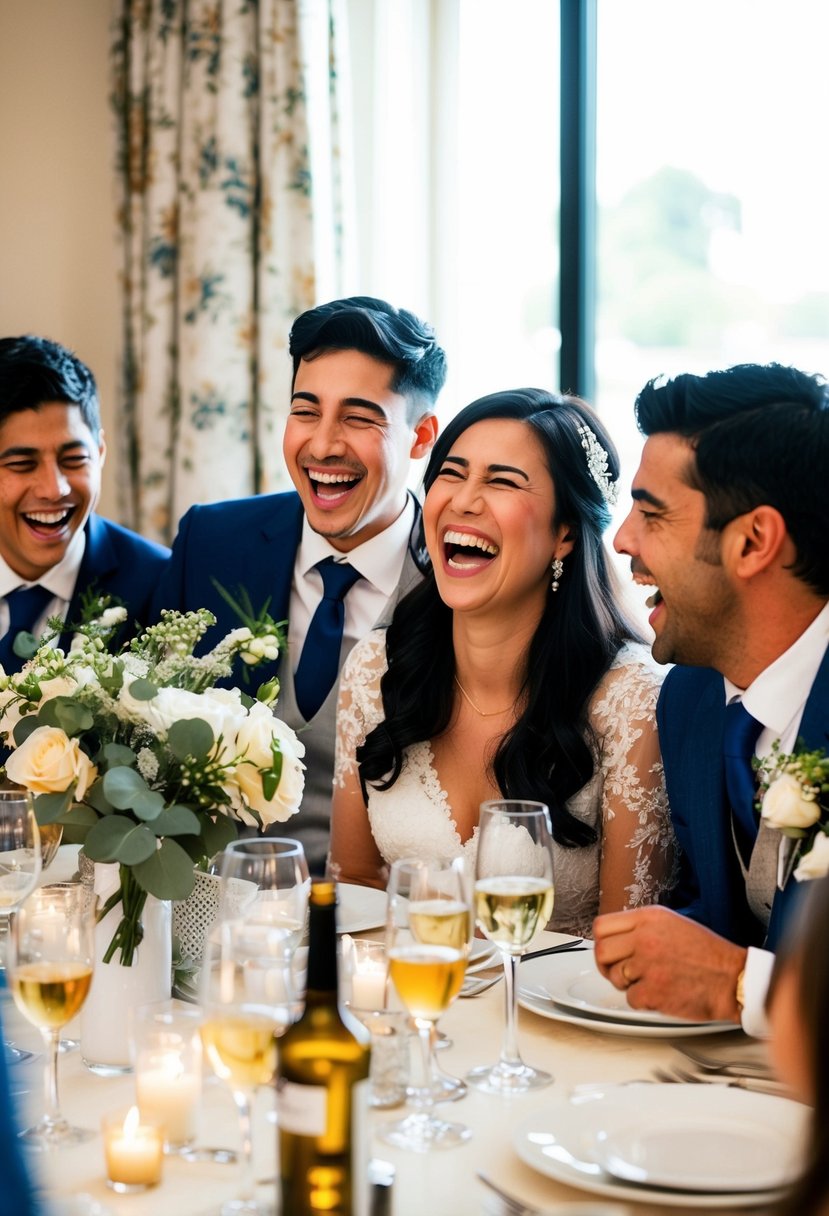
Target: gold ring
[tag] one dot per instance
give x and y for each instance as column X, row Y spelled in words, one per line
column 625, row 976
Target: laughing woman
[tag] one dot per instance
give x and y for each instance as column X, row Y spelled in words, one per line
column 510, row 672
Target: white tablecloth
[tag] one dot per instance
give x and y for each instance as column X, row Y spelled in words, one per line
column 437, row 1184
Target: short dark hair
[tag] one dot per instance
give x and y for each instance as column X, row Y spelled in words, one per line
column 390, row 335
column 35, row 371
column 760, row 435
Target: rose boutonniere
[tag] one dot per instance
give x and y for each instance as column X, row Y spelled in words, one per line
column 794, row 799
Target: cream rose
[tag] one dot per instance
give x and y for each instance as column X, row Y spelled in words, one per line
column 220, row 709
column 48, row 762
column 254, row 744
column 784, row 805
column 816, row 862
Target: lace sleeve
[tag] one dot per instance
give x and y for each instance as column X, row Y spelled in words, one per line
column 638, row 847
column 360, row 707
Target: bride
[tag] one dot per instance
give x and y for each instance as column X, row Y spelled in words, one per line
column 510, row 671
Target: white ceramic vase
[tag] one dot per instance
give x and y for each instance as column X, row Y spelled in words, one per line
column 106, row 1017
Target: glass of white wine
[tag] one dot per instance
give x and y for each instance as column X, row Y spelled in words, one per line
column 248, row 998
column 428, row 929
column 513, row 902
column 51, row 956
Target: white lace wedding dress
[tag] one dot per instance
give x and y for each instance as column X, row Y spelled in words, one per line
column 414, row 817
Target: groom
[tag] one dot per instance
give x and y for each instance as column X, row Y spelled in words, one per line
column 335, row 556
column 729, row 521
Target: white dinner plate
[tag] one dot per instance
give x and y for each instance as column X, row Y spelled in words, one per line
column 589, row 992
column 569, row 1140
column 359, row 908
column 544, row 988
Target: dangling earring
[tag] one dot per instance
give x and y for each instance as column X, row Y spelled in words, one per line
column 557, row 569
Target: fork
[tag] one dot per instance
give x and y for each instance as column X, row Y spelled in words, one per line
column 510, row 1206
column 475, row 985
column 755, row 1085
column 729, row 1068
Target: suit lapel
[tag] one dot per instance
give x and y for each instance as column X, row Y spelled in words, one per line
column 99, row 559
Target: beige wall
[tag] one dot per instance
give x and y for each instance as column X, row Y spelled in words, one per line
column 58, row 254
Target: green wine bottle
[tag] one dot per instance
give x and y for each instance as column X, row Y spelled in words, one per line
column 322, row 1060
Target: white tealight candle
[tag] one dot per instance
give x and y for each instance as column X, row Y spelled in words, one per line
column 170, row 1095
column 368, row 986
column 134, row 1152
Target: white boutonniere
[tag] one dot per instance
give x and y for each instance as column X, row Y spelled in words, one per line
column 794, row 799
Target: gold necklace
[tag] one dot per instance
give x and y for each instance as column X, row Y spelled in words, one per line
column 493, row 713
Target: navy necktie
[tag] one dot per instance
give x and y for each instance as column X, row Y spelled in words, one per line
column 319, row 663
column 26, row 607
column 741, row 732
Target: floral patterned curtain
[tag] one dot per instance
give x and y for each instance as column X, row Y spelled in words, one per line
column 231, row 218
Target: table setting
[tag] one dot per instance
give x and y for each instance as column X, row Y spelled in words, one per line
column 606, row 1135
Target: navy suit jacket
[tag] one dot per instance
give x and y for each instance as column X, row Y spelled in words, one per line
column 249, row 544
column 120, row 563
column 691, row 718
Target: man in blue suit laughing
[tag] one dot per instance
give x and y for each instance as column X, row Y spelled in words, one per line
column 53, row 548
column 333, row 557
column 729, row 521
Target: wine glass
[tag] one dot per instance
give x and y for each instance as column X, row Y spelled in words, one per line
column 248, row 997
column 267, row 880
column 51, row 955
column 20, row 866
column 428, row 928
column 513, row 901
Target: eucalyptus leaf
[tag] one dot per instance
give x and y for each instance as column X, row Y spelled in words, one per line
column 192, row 737
column 217, row 833
column 117, row 754
column 78, row 815
column 25, row 727
column 143, row 690
column 116, row 838
column 50, row 807
column 96, row 797
column 148, row 806
column 67, row 714
column 168, row 873
column 122, row 785
column 177, row 821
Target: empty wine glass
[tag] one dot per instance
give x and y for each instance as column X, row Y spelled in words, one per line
column 513, row 901
column 428, row 928
column 51, row 954
column 20, row 866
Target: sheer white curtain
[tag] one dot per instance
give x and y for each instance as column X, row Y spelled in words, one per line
column 232, row 168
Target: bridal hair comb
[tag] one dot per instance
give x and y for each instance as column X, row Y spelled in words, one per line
column 597, row 466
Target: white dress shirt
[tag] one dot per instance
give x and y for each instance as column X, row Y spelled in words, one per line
column 379, row 561
column 777, row 699
column 60, row 580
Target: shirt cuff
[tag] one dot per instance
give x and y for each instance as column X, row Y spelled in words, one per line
column 756, row 982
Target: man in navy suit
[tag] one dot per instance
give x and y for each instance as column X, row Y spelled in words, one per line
column 53, row 548
column 365, row 380
column 729, row 521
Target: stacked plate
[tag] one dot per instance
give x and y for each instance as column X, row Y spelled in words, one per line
column 569, row 988
column 694, row 1146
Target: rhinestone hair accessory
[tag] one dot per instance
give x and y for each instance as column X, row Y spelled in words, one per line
column 597, row 466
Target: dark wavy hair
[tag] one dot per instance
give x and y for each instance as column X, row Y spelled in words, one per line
column 545, row 755
column 804, row 947
column 760, row 434
column 391, row 335
column 35, row 371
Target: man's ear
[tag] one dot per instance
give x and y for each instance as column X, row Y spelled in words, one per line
column 102, row 447
column 425, row 432
column 756, row 540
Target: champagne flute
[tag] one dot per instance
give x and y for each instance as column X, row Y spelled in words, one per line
column 513, row 901
column 20, row 866
column 428, row 928
column 51, row 955
column 247, row 998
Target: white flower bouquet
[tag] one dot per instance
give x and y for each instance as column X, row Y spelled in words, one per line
column 795, row 800
column 142, row 759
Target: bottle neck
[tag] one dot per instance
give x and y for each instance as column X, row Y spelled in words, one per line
column 322, row 942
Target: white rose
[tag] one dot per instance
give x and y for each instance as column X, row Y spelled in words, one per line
column 254, row 743
column 171, row 705
column 111, row 617
column 816, row 862
column 784, row 805
column 48, row 762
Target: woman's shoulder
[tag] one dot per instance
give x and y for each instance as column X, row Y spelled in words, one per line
column 367, row 658
column 633, row 677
